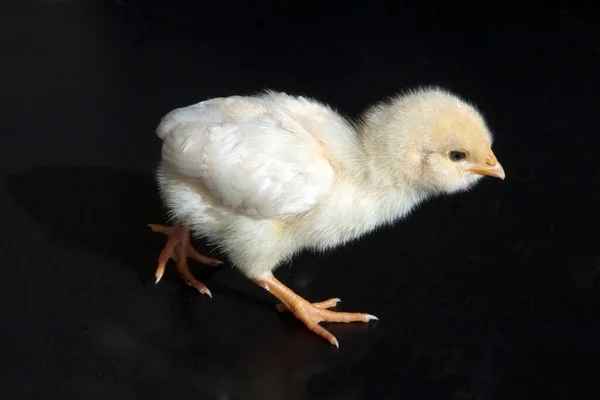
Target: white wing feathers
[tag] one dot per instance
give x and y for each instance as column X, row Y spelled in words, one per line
column 252, row 157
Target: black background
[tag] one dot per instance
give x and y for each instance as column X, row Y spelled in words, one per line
column 490, row 294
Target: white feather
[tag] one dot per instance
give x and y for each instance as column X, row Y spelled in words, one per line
column 249, row 154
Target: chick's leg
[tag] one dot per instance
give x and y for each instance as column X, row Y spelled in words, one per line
column 179, row 248
column 311, row 314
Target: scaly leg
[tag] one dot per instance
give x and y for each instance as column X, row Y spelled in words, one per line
column 311, row 314
column 179, row 248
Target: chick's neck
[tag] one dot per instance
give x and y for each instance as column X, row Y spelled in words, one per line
column 378, row 182
column 385, row 161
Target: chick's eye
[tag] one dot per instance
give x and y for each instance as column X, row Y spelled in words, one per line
column 457, row 155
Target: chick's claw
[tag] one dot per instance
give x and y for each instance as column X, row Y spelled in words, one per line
column 313, row 314
column 179, row 248
column 310, row 314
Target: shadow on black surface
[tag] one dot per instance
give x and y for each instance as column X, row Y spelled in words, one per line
column 101, row 209
column 106, row 211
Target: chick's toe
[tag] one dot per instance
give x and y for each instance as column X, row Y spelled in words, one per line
column 179, row 248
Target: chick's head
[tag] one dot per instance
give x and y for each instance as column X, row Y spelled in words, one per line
column 435, row 141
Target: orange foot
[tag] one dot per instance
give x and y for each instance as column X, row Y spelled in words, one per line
column 179, row 248
column 311, row 314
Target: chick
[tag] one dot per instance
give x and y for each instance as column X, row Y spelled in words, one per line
column 264, row 177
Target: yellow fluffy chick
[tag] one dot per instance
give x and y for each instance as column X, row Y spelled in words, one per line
column 266, row 176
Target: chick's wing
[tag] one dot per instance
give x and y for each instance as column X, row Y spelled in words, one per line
column 254, row 159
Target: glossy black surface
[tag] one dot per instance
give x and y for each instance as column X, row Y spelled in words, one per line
column 491, row 294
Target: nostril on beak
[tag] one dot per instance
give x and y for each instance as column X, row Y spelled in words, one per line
column 491, row 159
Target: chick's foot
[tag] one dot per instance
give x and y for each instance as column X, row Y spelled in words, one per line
column 311, row 314
column 179, row 248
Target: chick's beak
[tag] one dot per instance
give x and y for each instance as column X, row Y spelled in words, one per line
column 491, row 167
